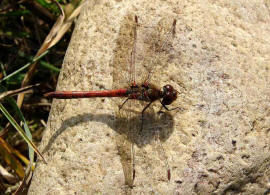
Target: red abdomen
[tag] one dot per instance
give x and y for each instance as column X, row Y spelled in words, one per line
column 87, row 94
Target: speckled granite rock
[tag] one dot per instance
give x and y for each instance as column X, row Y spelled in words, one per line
column 219, row 144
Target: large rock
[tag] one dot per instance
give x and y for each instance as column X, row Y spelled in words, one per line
column 218, row 143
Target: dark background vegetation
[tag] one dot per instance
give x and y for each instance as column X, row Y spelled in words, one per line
column 24, row 26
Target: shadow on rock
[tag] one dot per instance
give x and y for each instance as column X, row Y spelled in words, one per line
column 155, row 125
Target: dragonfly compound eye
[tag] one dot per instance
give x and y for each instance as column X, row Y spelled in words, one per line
column 169, row 95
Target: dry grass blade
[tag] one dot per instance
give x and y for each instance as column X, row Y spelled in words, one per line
column 9, row 177
column 65, row 25
column 60, row 27
column 17, row 91
column 26, row 180
column 7, row 154
column 22, row 158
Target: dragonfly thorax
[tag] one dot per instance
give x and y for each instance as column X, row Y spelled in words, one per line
column 169, row 94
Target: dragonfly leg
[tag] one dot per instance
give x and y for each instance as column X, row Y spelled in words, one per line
column 168, row 109
column 147, row 106
column 120, row 107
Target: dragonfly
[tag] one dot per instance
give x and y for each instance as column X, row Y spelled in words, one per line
column 145, row 91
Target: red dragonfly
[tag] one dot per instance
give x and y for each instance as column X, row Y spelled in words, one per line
column 145, row 92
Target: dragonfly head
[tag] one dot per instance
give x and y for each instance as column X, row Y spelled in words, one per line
column 169, row 94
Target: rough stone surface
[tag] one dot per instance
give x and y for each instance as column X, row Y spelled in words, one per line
column 218, row 144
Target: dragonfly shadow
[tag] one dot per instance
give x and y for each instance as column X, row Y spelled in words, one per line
column 77, row 120
column 155, row 125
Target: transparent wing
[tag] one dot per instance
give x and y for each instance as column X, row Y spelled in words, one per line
column 123, row 57
column 142, row 53
column 123, row 75
column 154, row 50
